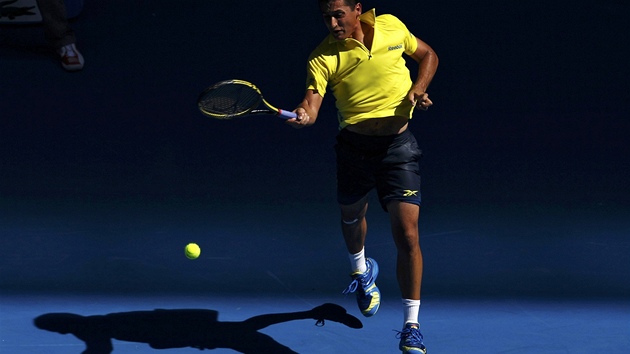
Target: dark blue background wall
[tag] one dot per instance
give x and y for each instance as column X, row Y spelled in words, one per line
column 526, row 150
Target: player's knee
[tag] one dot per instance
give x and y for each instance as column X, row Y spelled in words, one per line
column 350, row 222
column 352, row 217
column 354, row 213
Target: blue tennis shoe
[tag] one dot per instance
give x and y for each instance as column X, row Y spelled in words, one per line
column 368, row 295
column 411, row 340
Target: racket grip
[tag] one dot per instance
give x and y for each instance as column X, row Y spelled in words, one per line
column 286, row 114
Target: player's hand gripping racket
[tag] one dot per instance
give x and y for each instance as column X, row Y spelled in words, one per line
column 235, row 98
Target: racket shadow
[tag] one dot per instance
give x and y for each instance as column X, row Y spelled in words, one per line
column 180, row 328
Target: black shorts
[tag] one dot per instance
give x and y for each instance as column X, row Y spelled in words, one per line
column 388, row 163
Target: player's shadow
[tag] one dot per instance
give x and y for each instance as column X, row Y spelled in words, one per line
column 196, row 328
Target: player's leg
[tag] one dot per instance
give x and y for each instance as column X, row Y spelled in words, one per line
column 354, row 225
column 364, row 269
column 399, row 193
column 354, row 182
column 409, row 265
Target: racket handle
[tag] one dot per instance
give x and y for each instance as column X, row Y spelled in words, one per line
column 286, row 114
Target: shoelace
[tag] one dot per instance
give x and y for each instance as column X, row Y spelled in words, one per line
column 352, row 287
column 411, row 336
column 362, row 279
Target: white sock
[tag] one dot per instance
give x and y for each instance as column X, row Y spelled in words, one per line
column 411, row 310
column 357, row 261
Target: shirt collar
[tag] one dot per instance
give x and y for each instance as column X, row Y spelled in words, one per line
column 369, row 17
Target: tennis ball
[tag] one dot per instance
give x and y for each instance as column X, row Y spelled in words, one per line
column 192, row 251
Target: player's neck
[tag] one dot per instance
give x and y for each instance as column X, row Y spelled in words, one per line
column 360, row 30
column 358, row 33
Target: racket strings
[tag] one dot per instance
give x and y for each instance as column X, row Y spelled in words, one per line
column 230, row 100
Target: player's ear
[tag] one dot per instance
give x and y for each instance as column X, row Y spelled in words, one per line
column 358, row 8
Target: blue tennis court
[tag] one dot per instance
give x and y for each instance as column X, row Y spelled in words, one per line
column 107, row 173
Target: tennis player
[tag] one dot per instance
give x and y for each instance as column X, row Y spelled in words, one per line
column 361, row 61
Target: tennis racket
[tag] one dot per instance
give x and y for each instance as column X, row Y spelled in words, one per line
column 235, row 98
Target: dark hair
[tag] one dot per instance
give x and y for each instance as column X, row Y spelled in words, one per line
column 351, row 3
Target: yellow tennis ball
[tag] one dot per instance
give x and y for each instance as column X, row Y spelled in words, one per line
column 192, row 251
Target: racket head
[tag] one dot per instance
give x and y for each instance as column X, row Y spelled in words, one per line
column 229, row 99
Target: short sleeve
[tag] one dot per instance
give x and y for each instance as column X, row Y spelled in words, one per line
column 317, row 75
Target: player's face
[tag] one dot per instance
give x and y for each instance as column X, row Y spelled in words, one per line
column 341, row 19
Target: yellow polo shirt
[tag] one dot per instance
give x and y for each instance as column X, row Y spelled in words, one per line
column 366, row 83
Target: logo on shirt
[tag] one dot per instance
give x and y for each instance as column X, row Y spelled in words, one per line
column 394, row 47
column 410, row 193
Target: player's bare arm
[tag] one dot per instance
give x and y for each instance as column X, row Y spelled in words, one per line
column 427, row 65
column 307, row 110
